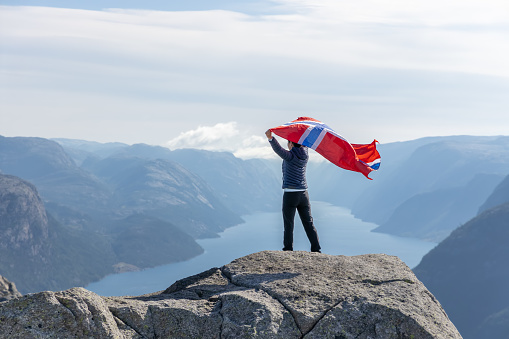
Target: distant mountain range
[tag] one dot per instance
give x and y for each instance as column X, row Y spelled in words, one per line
column 116, row 180
column 434, row 215
column 425, row 188
column 40, row 253
column 428, row 187
column 123, row 207
column 243, row 186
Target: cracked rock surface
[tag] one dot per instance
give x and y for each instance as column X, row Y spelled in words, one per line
column 269, row 294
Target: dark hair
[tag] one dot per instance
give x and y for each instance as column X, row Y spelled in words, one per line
column 295, row 144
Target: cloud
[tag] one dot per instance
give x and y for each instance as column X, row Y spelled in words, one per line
column 408, row 69
column 217, row 137
column 393, row 33
column 223, row 137
column 230, row 137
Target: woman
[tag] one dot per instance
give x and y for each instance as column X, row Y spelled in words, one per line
column 295, row 195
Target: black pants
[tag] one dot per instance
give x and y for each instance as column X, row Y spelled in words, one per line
column 298, row 201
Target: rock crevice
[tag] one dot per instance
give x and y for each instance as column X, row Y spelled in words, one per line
column 227, row 275
column 126, row 323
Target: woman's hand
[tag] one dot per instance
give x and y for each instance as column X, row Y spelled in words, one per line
column 268, row 133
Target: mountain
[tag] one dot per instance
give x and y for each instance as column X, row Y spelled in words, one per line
column 94, row 196
column 434, row 215
column 39, row 253
column 80, row 150
column 263, row 295
column 244, row 186
column 165, row 190
column 440, row 164
column 500, row 195
column 45, row 164
column 329, row 183
column 143, row 241
column 33, row 157
column 468, row 273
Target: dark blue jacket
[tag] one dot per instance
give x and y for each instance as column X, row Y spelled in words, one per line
column 294, row 165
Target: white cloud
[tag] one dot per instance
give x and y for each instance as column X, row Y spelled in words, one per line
column 452, row 35
column 231, row 138
column 158, row 74
column 224, row 137
column 429, row 13
column 218, row 137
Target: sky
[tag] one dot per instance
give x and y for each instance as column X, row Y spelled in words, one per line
column 216, row 74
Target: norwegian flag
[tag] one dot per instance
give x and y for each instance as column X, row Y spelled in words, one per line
column 309, row 132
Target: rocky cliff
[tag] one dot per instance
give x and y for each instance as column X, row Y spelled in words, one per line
column 39, row 253
column 23, row 219
column 24, row 230
column 262, row 295
column 8, row 290
column 468, row 272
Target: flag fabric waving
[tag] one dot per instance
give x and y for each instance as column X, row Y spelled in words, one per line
column 309, row 132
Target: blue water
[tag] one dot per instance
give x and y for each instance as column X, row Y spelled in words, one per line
column 338, row 230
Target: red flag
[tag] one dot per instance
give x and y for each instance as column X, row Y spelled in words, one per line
column 309, row 132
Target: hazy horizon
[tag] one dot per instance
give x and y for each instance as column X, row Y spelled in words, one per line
column 258, row 147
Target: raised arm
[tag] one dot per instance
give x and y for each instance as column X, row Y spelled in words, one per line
column 284, row 154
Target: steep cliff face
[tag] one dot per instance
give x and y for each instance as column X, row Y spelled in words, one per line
column 24, row 228
column 263, row 295
column 37, row 252
column 23, row 219
column 468, row 272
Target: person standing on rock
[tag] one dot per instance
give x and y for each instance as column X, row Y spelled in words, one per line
column 295, row 196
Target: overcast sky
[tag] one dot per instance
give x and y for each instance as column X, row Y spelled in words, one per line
column 217, row 74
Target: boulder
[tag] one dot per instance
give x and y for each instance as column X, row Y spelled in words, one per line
column 269, row 294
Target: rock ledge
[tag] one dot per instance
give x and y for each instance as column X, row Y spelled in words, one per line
column 263, row 295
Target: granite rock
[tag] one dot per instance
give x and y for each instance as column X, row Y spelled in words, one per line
column 267, row 294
